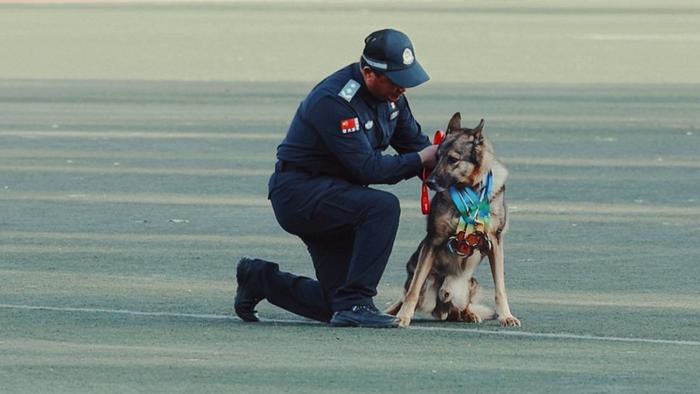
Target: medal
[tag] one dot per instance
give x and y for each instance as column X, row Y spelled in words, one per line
column 474, row 220
column 464, row 245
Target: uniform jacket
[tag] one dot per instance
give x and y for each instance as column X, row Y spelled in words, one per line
column 341, row 130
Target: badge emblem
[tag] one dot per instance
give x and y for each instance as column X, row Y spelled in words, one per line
column 349, row 125
column 369, row 124
column 408, row 56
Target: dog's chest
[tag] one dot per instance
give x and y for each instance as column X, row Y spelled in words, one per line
column 446, row 223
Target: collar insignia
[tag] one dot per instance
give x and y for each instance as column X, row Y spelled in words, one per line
column 348, row 91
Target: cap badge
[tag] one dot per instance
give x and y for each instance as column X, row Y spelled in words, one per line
column 408, row 56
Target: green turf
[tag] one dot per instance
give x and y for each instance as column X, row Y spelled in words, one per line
column 133, row 169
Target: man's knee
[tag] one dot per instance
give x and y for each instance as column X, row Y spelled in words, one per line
column 387, row 205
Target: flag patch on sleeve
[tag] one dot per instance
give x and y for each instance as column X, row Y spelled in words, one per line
column 349, row 125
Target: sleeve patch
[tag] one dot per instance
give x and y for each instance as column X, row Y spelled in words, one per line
column 349, row 125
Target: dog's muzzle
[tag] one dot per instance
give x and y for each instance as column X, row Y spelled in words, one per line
column 433, row 185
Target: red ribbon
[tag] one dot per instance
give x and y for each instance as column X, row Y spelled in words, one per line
column 424, row 196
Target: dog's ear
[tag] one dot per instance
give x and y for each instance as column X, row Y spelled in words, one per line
column 480, row 127
column 478, row 136
column 455, row 123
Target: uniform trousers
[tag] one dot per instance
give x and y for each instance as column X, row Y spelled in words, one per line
column 349, row 231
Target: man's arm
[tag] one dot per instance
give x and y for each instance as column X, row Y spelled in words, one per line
column 354, row 151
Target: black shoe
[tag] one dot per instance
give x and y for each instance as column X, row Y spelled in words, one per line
column 363, row 316
column 247, row 295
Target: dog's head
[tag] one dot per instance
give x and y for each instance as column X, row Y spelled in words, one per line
column 462, row 157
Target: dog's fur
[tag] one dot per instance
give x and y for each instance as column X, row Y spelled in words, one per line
column 440, row 282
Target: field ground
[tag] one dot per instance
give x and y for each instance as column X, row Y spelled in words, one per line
column 131, row 182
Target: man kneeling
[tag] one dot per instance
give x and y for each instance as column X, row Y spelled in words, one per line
column 332, row 151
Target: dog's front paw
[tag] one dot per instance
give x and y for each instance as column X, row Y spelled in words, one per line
column 509, row 321
column 404, row 320
column 404, row 317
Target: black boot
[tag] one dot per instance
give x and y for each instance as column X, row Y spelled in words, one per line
column 363, row 316
column 249, row 291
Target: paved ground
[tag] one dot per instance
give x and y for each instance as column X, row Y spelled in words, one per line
column 135, row 145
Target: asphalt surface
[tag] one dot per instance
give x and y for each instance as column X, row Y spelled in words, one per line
column 133, row 177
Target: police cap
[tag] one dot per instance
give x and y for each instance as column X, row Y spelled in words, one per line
column 391, row 53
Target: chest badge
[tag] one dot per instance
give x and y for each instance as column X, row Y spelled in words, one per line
column 369, row 124
column 395, row 112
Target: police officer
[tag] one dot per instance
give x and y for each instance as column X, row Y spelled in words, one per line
column 332, row 151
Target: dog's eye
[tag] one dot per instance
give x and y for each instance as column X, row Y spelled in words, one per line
column 452, row 160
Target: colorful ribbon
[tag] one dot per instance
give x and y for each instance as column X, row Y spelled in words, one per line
column 474, row 218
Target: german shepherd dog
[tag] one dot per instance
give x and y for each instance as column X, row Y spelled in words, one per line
column 439, row 279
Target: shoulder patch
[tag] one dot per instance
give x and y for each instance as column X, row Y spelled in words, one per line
column 348, row 91
column 349, row 125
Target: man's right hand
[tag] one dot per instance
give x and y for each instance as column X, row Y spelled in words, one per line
column 428, row 156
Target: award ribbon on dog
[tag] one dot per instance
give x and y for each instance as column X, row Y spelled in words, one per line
column 424, row 196
column 473, row 210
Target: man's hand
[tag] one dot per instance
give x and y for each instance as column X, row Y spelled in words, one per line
column 428, row 156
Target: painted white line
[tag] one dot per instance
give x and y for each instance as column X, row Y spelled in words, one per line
column 682, row 37
column 119, row 170
column 683, row 210
column 525, row 334
column 561, row 336
column 134, row 135
column 116, row 311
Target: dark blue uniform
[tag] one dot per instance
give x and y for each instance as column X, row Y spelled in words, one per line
column 332, row 151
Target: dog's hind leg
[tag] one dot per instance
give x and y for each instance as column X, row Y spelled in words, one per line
column 482, row 312
column 475, row 312
column 427, row 302
column 394, row 308
column 478, row 310
column 423, row 267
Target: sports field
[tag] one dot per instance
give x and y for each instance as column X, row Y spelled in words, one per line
column 135, row 145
